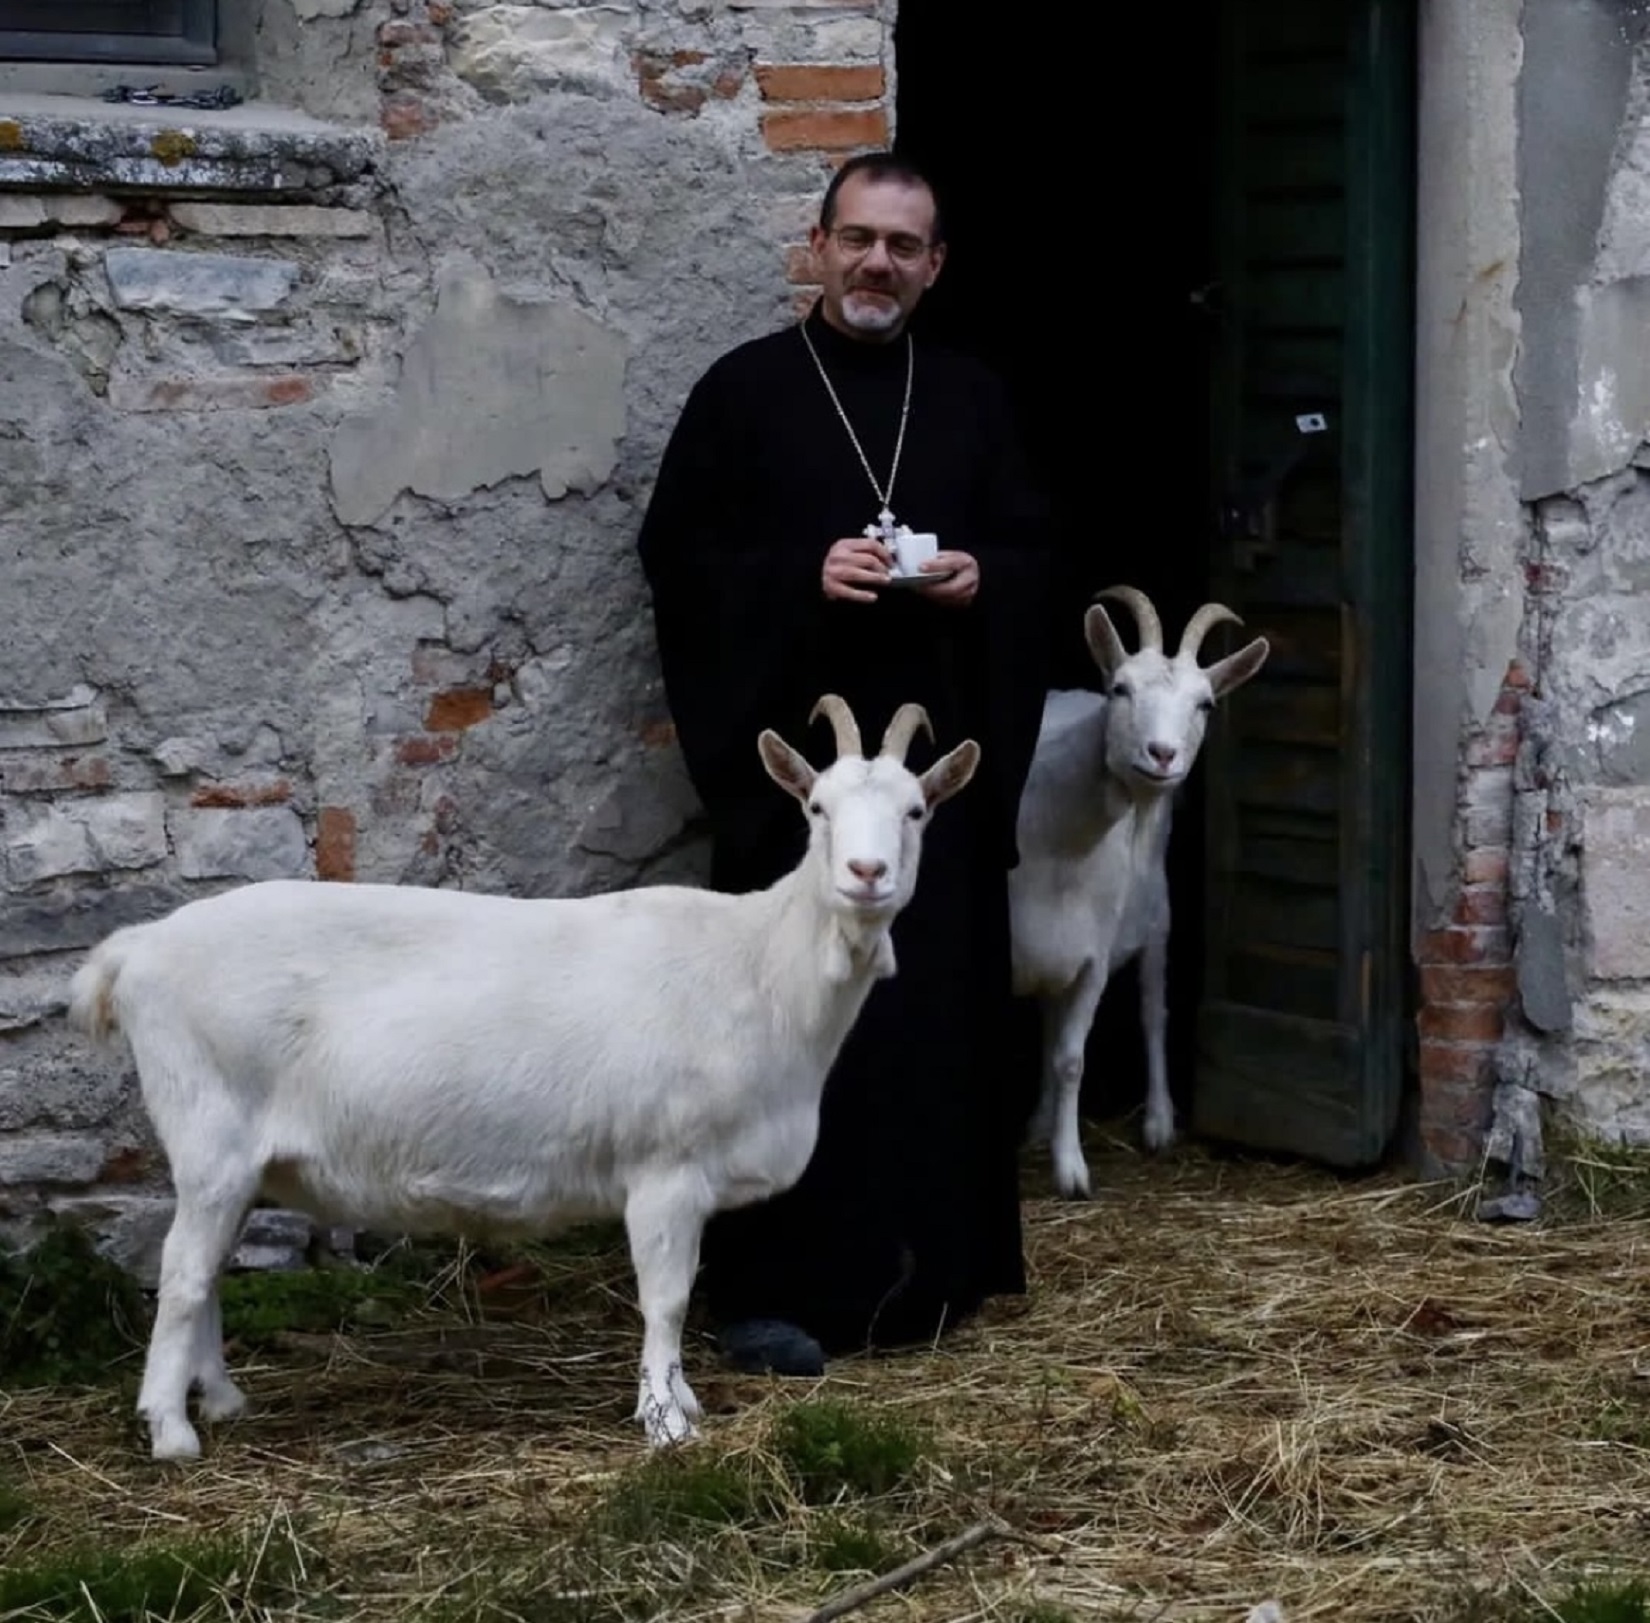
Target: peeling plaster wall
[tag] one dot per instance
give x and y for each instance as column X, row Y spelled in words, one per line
column 319, row 485
column 1580, row 880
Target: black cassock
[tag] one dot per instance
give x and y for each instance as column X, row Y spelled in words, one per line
column 908, row 1213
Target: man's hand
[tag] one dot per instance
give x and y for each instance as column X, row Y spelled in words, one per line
column 963, row 584
column 855, row 564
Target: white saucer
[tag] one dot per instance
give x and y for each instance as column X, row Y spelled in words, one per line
column 932, row 578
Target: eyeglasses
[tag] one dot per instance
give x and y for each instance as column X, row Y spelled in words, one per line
column 903, row 247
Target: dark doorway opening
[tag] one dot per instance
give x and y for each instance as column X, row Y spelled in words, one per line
column 1078, row 236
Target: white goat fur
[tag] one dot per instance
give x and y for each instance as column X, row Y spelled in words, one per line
column 1091, row 890
column 433, row 1061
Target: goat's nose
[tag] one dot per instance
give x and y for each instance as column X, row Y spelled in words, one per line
column 1163, row 754
column 870, row 872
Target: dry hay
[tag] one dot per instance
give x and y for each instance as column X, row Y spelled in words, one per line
column 1230, row 1381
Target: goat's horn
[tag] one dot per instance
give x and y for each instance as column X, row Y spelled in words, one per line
column 842, row 723
column 1145, row 616
column 1201, row 624
column 903, row 728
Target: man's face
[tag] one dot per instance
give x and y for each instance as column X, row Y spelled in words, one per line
column 879, row 256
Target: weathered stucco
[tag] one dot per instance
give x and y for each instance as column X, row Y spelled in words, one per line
column 318, row 492
column 1581, row 887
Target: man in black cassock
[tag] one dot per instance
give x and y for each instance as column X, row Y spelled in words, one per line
column 767, row 546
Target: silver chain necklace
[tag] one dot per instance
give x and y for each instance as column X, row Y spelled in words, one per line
column 885, row 524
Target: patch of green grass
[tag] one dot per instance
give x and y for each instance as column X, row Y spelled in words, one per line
column 257, row 1305
column 1605, row 1603
column 852, row 1544
column 831, row 1449
column 683, row 1491
column 66, row 1313
column 16, row 1510
column 158, row 1580
column 1591, row 1179
column 1036, row 1611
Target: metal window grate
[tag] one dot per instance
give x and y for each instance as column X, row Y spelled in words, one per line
column 154, row 31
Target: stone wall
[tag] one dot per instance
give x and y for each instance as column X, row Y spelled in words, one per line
column 326, row 427
column 1536, row 974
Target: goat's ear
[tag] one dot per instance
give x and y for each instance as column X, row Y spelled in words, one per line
column 1236, row 669
column 785, row 766
column 948, row 774
column 1104, row 643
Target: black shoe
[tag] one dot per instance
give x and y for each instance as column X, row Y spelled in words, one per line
column 763, row 1346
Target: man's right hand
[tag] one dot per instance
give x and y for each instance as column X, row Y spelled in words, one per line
column 854, row 566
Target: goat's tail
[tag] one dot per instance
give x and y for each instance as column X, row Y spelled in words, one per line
column 92, row 993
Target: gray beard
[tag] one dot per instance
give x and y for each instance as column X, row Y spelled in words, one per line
column 868, row 317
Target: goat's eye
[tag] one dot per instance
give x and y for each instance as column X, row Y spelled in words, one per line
column 1205, row 705
column 917, row 813
column 815, row 809
column 1120, row 690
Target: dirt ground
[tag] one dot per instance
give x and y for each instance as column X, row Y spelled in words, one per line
column 1231, row 1381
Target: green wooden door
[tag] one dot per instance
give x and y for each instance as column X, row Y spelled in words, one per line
column 1301, row 1033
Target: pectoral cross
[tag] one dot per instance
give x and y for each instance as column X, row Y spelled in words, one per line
column 884, row 529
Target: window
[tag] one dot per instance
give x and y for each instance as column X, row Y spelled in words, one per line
column 155, row 31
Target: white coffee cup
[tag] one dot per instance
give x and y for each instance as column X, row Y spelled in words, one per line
column 911, row 552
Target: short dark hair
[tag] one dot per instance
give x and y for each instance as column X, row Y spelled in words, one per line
column 875, row 166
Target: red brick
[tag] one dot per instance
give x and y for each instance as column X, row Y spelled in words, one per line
column 242, row 794
column 49, row 777
column 1489, row 865
column 1488, row 983
column 1496, row 745
column 727, row 84
column 801, row 269
column 1481, row 904
column 335, row 844
column 407, row 33
column 1461, row 1022
column 404, row 114
column 824, row 130
column 1464, row 946
column 808, row 82
column 1518, row 676
column 127, row 1165
column 658, row 734
column 245, row 393
column 1451, row 1064
column 439, row 13
column 1451, row 1147
column 458, row 708
column 421, row 750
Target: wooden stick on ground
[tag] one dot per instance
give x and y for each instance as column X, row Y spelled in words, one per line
column 850, row 1600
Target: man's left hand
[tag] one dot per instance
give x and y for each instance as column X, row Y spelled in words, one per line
column 962, row 585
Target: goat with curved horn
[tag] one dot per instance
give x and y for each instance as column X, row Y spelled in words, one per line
column 1202, row 623
column 1140, row 606
column 835, row 709
column 1091, row 891
column 903, row 728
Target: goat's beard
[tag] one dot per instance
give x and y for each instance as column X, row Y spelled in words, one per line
column 873, row 317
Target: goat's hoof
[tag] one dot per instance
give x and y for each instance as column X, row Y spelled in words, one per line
column 223, row 1402
column 1072, row 1183
column 173, row 1440
column 666, row 1431
column 1157, row 1136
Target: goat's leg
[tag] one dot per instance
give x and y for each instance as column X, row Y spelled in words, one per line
column 664, row 1221
column 1066, row 1022
column 1158, row 1132
column 221, row 1399
column 208, row 1217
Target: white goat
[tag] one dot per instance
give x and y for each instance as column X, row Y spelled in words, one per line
column 432, row 1061
column 1091, row 890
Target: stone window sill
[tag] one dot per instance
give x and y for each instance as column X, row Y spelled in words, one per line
column 74, row 143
